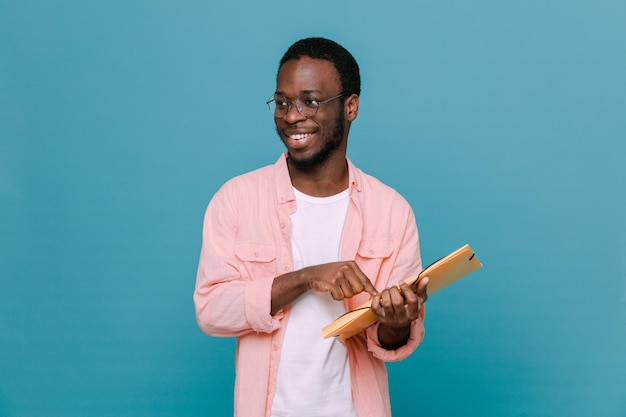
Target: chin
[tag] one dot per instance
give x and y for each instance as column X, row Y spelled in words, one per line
column 303, row 162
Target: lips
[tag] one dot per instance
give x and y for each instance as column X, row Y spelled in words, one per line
column 298, row 139
column 299, row 136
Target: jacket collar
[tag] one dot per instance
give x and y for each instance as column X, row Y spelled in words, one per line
column 284, row 189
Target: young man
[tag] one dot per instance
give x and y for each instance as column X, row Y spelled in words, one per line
column 291, row 246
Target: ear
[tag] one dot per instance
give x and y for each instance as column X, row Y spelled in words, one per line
column 351, row 107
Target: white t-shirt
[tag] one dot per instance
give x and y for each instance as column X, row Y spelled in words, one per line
column 314, row 373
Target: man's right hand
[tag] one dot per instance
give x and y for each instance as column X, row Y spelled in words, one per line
column 341, row 279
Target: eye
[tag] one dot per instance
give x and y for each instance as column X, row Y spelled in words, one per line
column 280, row 102
column 310, row 101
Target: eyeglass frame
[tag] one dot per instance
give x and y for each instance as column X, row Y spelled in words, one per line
column 298, row 108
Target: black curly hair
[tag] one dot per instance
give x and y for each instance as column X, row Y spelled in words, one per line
column 321, row 48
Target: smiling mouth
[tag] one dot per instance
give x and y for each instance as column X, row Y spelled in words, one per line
column 300, row 136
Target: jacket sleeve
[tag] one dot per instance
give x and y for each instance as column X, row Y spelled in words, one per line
column 415, row 338
column 227, row 303
column 406, row 263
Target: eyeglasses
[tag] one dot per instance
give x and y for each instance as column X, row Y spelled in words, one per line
column 306, row 104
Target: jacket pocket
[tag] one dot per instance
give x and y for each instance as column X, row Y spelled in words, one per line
column 371, row 255
column 257, row 258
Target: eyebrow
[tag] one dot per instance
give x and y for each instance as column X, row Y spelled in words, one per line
column 302, row 92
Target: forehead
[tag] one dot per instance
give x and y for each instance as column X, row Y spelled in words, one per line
column 307, row 74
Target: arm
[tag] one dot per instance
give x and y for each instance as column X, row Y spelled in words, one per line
column 340, row 279
column 230, row 303
column 232, row 297
column 400, row 326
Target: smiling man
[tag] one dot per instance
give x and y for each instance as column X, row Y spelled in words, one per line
column 289, row 247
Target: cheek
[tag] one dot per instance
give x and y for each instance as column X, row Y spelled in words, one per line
column 278, row 125
column 327, row 124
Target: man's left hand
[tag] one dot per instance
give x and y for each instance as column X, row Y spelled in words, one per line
column 400, row 306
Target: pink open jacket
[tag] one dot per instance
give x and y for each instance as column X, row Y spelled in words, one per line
column 246, row 244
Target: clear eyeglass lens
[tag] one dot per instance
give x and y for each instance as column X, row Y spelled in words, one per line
column 306, row 104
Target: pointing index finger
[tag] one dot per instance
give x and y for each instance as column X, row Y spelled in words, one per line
column 367, row 284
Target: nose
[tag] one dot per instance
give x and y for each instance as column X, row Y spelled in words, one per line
column 293, row 115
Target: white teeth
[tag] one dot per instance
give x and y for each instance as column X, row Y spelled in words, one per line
column 300, row 136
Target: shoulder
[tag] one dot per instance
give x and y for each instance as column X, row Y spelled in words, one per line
column 241, row 194
column 372, row 189
column 251, row 178
column 258, row 180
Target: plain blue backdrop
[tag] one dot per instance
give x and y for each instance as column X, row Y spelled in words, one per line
column 503, row 123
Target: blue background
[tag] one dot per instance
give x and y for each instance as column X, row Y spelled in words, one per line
column 503, row 123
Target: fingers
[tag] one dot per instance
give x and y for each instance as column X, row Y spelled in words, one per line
column 360, row 282
column 393, row 299
column 353, row 281
column 399, row 305
column 335, row 291
column 340, row 279
column 421, row 291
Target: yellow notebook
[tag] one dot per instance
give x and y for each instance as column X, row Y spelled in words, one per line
column 440, row 274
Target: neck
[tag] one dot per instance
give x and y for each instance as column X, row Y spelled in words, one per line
column 327, row 179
